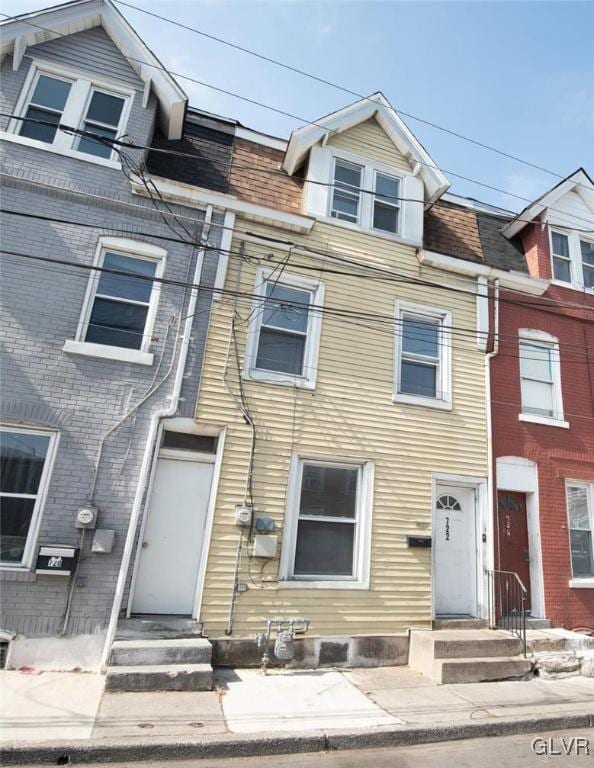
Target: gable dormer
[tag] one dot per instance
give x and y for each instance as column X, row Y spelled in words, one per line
column 557, row 233
column 365, row 170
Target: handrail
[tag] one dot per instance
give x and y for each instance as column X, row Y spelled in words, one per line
column 507, row 598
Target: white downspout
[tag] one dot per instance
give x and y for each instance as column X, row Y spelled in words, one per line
column 490, row 526
column 147, row 459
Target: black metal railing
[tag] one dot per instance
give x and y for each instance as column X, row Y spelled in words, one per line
column 507, row 599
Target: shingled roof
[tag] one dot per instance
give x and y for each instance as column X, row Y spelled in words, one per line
column 471, row 234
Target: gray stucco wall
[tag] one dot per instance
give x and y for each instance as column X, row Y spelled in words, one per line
column 81, row 397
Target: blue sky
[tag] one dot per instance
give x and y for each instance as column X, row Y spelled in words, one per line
column 516, row 75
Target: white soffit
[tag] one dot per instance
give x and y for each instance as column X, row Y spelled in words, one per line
column 378, row 107
column 579, row 182
column 33, row 28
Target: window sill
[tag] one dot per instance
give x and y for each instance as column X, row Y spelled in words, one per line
column 368, row 231
column 285, row 380
column 427, row 402
column 27, row 142
column 534, row 419
column 104, row 352
column 582, row 583
column 303, row 584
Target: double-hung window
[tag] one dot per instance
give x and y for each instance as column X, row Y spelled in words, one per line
column 25, row 463
column 540, row 377
column 386, row 203
column 346, row 196
column 580, row 511
column 328, row 522
column 422, row 374
column 284, row 330
column 587, row 254
column 51, row 97
column 561, row 257
column 572, row 258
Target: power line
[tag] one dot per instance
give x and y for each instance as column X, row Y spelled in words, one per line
column 292, row 116
column 342, row 88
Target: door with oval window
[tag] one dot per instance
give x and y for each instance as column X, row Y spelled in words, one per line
column 455, row 552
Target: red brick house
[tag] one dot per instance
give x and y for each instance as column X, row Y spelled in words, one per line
column 542, row 394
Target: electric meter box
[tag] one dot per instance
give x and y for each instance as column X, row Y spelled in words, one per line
column 265, row 546
column 243, row 516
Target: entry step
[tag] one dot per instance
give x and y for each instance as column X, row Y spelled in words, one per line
column 482, row 670
column 160, row 677
column 158, row 628
column 150, row 652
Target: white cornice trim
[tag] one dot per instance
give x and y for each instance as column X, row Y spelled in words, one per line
column 188, row 194
column 512, row 280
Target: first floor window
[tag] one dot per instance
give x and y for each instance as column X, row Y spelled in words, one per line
column 561, row 257
column 24, row 461
column 580, row 509
column 119, row 311
column 332, row 517
column 347, row 191
column 540, row 381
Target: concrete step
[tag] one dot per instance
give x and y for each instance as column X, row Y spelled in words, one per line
column 149, row 651
column 158, row 628
column 463, row 643
column 160, row 677
column 481, row 670
column 460, row 623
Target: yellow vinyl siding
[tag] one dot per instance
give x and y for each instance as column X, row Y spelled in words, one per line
column 369, row 140
column 350, row 413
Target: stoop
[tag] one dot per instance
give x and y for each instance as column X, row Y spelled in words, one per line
column 467, row 655
column 151, row 658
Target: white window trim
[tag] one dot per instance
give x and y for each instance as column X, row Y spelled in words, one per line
column 542, row 337
column 580, row 582
column 445, row 350
column 312, row 344
column 73, row 114
column 33, row 535
column 135, row 249
column 575, row 259
column 362, row 544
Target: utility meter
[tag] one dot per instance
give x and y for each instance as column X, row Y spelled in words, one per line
column 243, row 515
column 86, row 517
column 284, row 646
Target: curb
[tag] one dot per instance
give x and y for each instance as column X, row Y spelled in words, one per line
column 229, row 745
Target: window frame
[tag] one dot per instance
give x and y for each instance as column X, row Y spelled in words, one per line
column 396, row 204
column 444, row 379
column 133, row 249
column 580, row 581
column 27, row 561
column 362, row 538
column 74, row 112
column 541, row 338
column 312, row 343
column 337, row 159
column 576, row 267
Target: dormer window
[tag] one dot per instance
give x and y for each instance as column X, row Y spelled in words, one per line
column 572, row 259
column 386, row 203
column 103, row 117
column 347, row 191
column 46, row 104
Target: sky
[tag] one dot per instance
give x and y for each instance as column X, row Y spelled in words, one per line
column 518, row 76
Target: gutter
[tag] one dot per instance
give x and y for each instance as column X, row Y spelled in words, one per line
column 151, row 448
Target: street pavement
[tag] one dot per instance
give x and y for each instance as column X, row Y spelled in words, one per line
column 493, row 752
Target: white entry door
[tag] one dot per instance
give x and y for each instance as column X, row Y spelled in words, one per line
column 454, row 552
column 172, row 539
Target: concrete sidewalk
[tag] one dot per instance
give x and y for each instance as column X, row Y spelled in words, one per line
column 281, row 708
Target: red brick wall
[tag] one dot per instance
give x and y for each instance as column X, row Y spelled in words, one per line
column 559, row 453
column 535, row 242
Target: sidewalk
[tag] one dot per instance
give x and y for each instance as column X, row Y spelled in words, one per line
column 50, row 708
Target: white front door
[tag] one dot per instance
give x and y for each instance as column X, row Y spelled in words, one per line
column 172, row 539
column 454, row 551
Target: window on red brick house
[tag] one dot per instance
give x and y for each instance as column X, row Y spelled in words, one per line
column 580, row 510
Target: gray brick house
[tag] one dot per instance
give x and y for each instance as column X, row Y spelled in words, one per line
column 99, row 368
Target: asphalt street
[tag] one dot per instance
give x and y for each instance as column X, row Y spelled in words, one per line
column 555, row 748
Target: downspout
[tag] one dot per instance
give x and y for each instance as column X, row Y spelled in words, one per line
column 491, row 527
column 147, row 460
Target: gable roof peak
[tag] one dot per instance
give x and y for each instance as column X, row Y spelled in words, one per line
column 375, row 106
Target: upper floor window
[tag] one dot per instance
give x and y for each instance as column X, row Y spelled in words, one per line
column 50, row 97
column 540, row 377
column 572, row 259
column 386, row 203
column 121, row 302
column 347, row 195
column 284, row 330
column 422, row 374
column 25, row 459
column 580, row 511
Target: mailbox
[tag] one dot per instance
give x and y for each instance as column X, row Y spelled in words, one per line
column 56, row 560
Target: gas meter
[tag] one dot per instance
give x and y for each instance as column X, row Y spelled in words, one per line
column 284, row 646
